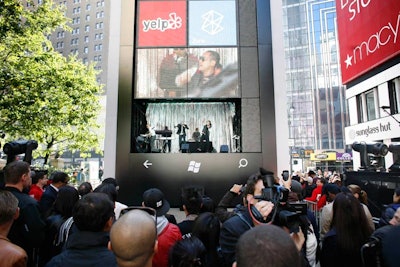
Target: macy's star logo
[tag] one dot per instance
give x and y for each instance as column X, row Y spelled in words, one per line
column 348, row 61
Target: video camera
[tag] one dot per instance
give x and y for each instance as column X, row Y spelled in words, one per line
column 20, row 147
column 285, row 213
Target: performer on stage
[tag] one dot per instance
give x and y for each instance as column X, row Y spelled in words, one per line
column 151, row 134
column 205, row 136
column 182, row 127
column 167, row 143
column 196, row 135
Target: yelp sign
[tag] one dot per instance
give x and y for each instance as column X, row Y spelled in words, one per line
column 159, row 24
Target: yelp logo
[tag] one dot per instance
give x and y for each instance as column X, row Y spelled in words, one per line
column 172, row 23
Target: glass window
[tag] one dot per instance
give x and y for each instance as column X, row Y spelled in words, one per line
column 370, row 105
column 360, row 109
column 394, row 95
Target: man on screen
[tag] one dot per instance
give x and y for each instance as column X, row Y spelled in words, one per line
column 211, row 80
column 173, row 72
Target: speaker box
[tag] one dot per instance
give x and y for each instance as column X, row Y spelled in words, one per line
column 224, row 149
column 185, row 148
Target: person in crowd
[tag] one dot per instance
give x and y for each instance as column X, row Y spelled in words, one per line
column 390, row 209
column 27, row 231
column 207, row 228
column 196, row 135
column 232, row 198
column 316, row 194
column 348, row 232
column 61, row 210
column 310, row 185
column 330, row 190
column 208, row 204
column 118, row 205
column 11, row 255
column 167, row 233
column 93, row 216
column 205, row 136
column 188, row 252
column 192, row 202
column 58, row 179
column 111, row 191
column 174, row 74
column 85, row 188
column 267, row 246
column 244, row 219
column 39, row 181
column 362, row 196
column 181, row 132
column 81, row 176
column 133, row 248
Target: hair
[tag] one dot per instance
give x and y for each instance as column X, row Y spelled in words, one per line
column 85, row 188
column 188, row 252
column 208, row 204
column 207, row 228
column 131, row 245
column 8, row 206
column 110, row 180
column 14, row 171
column 92, row 212
column 215, row 56
column 59, row 176
column 397, row 191
column 350, row 222
column 362, row 195
column 37, row 175
column 66, row 199
column 251, row 183
column 267, row 245
column 192, row 200
column 109, row 189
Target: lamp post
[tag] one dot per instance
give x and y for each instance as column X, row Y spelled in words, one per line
column 291, row 139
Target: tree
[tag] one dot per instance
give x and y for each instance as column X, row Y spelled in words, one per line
column 43, row 95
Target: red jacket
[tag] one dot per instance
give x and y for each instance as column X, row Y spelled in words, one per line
column 321, row 200
column 36, row 192
column 166, row 239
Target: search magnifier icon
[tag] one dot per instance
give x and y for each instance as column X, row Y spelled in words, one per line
column 243, row 163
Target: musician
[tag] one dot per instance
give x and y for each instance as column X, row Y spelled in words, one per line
column 167, row 143
column 182, row 127
column 196, row 135
column 151, row 134
column 205, row 135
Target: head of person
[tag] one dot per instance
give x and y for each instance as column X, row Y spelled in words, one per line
column 65, row 201
column 9, row 210
column 311, row 174
column 191, row 200
column 110, row 180
column 39, row 177
column 109, row 189
column 208, row 123
column 18, row 174
column 180, row 51
column 209, row 62
column 396, row 218
column 207, row 228
column 358, row 193
column 254, row 187
column 131, row 246
column 266, row 245
column 208, row 204
column 330, row 190
column 59, row 178
column 154, row 198
column 94, row 212
column 85, row 188
column 188, row 252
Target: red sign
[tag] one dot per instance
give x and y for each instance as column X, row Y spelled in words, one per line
column 162, row 23
column 369, row 34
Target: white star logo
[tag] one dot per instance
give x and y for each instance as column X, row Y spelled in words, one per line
column 348, row 61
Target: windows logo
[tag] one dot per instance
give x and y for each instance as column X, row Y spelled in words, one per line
column 194, row 166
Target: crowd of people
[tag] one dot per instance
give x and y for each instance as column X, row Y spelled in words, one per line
column 265, row 222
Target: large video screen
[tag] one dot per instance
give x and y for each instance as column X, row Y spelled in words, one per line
column 186, row 49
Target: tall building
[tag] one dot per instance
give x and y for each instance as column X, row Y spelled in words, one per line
column 316, row 103
column 88, row 39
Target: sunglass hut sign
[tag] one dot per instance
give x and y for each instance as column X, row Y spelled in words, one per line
column 382, row 129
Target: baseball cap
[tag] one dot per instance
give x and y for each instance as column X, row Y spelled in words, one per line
column 155, row 199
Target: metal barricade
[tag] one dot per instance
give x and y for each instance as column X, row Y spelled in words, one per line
column 317, row 213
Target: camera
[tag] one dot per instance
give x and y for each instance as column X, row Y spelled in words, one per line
column 19, row 146
column 288, row 214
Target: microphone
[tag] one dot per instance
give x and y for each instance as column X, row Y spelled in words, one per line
column 385, row 107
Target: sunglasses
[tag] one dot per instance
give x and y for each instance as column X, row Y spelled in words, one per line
column 148, row 210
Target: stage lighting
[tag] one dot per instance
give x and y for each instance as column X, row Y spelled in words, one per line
column 377, row 149
column 395, row 149
column 20, row 147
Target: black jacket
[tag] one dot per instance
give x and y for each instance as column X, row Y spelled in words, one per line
column 84, row 249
